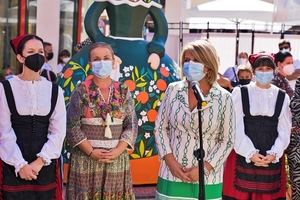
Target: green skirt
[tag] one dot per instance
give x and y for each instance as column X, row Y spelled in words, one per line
column 170, row 190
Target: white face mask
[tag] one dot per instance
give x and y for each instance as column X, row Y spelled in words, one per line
column 102, row 68
column 288, row 69
column 242, row 61
column 285, row 50
column 65, row 60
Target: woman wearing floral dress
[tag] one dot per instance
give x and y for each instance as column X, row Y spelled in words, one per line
column 177, row 132
column 101, row 125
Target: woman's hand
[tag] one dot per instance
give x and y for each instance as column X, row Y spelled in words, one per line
column 111, row 155
column 259, row 160
column 98, row 154
column 176, row 169
column 37, row 165
column 193, row 173
column 269, row 158
column 27, row 173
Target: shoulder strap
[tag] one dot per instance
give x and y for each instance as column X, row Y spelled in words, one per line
column 235, row 76
column 245, row 100
column 54, row 97
column 279, row 103
column 9, row 97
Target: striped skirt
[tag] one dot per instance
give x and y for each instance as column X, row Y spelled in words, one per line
column 93, row 180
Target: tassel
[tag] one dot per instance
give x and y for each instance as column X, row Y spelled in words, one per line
column 107, row 132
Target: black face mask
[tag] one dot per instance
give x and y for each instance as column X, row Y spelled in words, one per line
column 244, row 81
column 49, row 56
column 35, row 62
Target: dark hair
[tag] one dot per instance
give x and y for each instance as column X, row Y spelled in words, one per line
column 283, row 42
column 263, row 60
column 63, row 53
column 47, row 44
column 49, row 75
column 280, row 57
column 22, row 43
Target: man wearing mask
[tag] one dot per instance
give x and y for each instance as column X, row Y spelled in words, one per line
column 285, row 46
column 231, row 72
column 47, row 70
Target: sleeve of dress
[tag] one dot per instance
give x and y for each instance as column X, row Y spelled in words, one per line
column 221, row 150
column 10, row 152
column 57, row 131
column 161, row 130
column 74, row 113
column 130, row 125
column 284, row 131
column 243, row 145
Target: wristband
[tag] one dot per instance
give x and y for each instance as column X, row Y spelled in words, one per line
column 91, row 153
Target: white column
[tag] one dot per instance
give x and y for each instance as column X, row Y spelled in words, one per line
column 174, row 12
column 47, row 25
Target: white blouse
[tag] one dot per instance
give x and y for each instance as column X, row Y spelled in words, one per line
column 31, row 98
column 262, row 102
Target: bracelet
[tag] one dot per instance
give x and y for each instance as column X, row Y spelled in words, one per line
column 91, row 153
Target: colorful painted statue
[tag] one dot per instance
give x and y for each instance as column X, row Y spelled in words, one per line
column 145, row 68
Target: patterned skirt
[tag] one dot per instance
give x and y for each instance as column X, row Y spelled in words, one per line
column 92, row 180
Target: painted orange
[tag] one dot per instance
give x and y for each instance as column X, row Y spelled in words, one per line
column 142, row 97
column 161, row 85
column 130, row 84
column 68, row 73
column 164, row 72
column 145, row 170
column 151, row 114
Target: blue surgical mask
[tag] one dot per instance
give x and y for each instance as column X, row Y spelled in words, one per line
column 264, row 77
column 194, row 71
column 102, row 68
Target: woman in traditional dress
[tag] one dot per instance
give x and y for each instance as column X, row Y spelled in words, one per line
column 256, row 170
column 32, row 128
column 101, row 125
column 177, row 132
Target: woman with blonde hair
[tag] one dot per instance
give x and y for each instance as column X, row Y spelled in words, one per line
column 177, row 128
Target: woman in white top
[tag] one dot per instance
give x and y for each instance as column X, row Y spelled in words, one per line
column 177, row 128
column 32, row 128
column 255, row 170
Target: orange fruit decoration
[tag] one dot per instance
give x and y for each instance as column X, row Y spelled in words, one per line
column 130, row 84
column 142, row 97
column 151, row 114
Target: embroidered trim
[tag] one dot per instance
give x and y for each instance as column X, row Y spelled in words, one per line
column 107, row 144
column 100, row 121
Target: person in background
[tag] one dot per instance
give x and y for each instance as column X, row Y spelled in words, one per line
column 177, row 129
column 32, row 128
column 8, row 72
column 101, row 124
column 231, row 72
column 48, row 55
column 285, row 46
column 63, row 57
column 255, row 169
column 224, row 82
column 284, row 63
column 244, row 74
column 47, row 70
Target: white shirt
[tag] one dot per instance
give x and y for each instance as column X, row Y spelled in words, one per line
column 31, row 98
column 262, row 102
